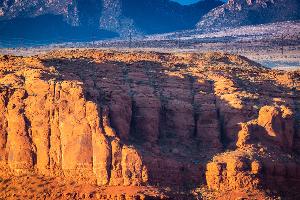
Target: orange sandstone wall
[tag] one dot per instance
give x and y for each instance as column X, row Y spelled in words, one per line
column 116, row 118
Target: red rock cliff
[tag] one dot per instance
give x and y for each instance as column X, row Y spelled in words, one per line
column 150, row 118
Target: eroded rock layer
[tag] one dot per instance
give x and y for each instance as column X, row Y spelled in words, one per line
column 134, row 119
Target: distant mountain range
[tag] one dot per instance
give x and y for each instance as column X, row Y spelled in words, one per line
column 237, row 13
column 97, row 18
column 85, row 20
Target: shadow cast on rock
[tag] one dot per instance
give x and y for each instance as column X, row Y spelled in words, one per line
column 117, row 121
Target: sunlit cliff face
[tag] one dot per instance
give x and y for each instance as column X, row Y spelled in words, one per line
column 137, row 119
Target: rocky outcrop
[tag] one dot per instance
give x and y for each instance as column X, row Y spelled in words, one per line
column 133, row 119
column 274, row 125
column 50, row 127
column 279, row 124
column 249, row 167
column 234, row 173
column 249, row 12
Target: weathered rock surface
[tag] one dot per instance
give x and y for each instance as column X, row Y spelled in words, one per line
column 133, row 119
column 259, row 159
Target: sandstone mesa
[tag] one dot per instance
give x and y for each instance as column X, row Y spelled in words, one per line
column 141, row 119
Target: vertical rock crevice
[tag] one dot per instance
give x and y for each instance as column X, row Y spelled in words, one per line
column 220, row 117
column 3, row 125
column 127, row 82
column 192, row 80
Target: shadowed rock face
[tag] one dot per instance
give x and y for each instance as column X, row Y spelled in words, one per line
column 132, row 119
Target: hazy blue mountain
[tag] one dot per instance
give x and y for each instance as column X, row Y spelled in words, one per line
column 158, row 16
column 80, row 20
column 46, row 29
